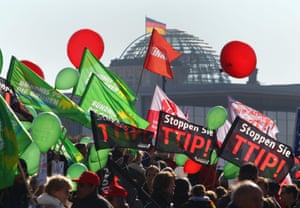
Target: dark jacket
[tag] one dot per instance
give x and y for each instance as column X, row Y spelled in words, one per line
column 14, row 197
column 196, row 202
column 93, row 200
column 160, row 200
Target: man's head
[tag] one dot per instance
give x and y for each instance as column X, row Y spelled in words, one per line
column 248, row 171
column 87, row 183
column 288, row 194
column 247, row 194
column 198, row 190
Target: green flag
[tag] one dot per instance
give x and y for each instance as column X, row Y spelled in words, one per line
column 90, row 64
column 68, row 149
column 100, row 99
column 8, row 146
column 34, row 91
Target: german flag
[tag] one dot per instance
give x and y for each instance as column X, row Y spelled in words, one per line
column 159, row 26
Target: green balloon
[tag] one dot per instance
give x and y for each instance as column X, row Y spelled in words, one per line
column 74, row 171
column 98, row 159
column 1, row 61
column 66, row 78
column 213, row 158
column 231, row 171
column 216, row 117
column 32, row 157
column 45, row 130
column 180, row 159
column 86, row 140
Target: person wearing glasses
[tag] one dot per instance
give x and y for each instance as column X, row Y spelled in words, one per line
column 87, row 192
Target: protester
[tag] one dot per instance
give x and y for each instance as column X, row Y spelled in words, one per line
column 289, row 196
column 57, row 192
column 212, row 196
column 274, row 188
column 248, row 171
column 87, row 192
column 181, row 192
column 263, row 183
column 246, row 194
column 163, row 190
column 198, row 198
column 220, row 191
column 35, row 188
column 18, row 195
column 146, row 189
column 116, row 194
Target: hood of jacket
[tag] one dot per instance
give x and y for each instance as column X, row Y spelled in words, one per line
column 46, row 199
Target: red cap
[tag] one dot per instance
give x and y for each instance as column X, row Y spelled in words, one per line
column 88, row 177
column 115, row 189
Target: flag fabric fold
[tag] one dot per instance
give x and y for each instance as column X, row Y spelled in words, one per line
column 8, row 145
column 153, row 24
column 256, row 118
column 100, row 99
column 90, row 64
column 68, row 149
column 34, row 91
column 161, row 102
column 159, row 56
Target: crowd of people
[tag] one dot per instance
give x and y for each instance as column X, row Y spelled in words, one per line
column 143, row 180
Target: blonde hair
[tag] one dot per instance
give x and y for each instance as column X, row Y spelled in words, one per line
column 56, row 183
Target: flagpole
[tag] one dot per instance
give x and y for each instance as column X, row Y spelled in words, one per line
column 139, row 83
column 26, row 183
column 164, row 83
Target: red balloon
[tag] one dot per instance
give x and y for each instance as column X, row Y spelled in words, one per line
column 191, row 167
column 35, row 68
column 297, row 175
column 84, row 38
column 238, row 59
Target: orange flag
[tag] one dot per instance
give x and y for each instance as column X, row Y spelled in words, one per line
column 159, row 56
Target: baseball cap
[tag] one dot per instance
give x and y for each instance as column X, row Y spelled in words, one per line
column 88, row 177
column 115, row 189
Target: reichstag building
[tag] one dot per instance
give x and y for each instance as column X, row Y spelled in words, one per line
column 199, row 85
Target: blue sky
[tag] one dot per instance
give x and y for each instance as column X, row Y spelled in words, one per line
column 39, row 30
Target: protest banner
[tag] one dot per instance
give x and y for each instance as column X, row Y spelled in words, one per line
column 178, row 135
column 246, row 143
column 108, row 133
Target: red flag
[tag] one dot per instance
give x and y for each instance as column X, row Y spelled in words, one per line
column 161, row 102
column 159, row 56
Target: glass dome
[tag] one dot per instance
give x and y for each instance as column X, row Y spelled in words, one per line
column 198, row 63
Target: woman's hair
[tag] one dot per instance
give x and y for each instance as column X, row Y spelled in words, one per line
column 151, row 167
column 290, row 188
column 162, row 180
column 56, row 183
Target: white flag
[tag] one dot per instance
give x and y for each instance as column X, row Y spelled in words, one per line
column 256, row 118
column 161, row 102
